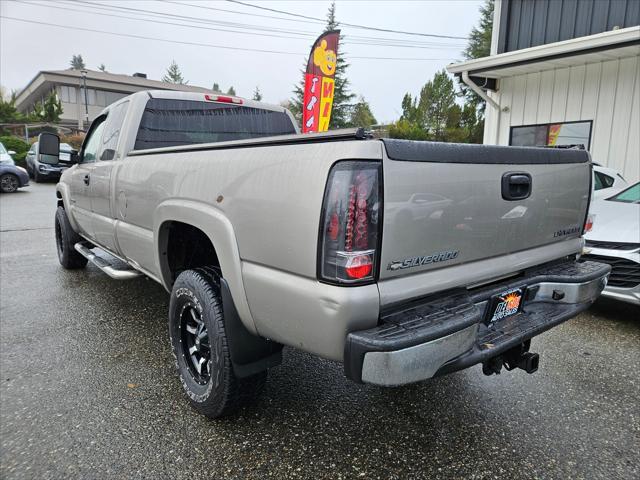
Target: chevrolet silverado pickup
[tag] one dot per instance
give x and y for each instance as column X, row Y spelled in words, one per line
column 403, row 260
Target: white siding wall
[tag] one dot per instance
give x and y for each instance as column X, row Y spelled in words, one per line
column 607, row 93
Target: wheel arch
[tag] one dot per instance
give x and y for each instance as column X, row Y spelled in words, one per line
column 63, row 199
column 217, row 228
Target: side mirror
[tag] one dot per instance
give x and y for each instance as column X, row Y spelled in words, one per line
column 11, row 152
column 48, row 148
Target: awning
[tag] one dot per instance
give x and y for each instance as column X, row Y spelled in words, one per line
column 605, row 46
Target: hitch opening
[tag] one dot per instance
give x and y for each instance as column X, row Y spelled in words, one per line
column 517, row 357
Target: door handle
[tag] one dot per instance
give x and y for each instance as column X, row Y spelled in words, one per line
column 87, row 179
column 516, row 185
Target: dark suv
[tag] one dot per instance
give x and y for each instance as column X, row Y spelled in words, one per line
column 42, row 171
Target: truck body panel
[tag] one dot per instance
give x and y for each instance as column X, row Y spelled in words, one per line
column 442, row 217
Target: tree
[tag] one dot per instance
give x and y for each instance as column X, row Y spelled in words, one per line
column 216, row 87
column 174, row 75
column 8, row 111
column 102, row 68
column 479, row 46
column 435, row 115
column 257, row 95
column 231, row 91
column 361, row 115
column 342, row 97
column 50, row 109
column 437, row 104
column 77, row 63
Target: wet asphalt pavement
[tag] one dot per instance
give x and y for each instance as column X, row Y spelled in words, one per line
column 88, row 390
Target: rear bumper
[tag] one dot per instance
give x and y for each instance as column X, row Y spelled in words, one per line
column 624, row 280
column 433, row 337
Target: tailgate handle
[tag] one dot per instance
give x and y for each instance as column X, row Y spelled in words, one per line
column 516, row 185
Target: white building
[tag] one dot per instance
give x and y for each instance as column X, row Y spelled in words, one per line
column 564, row 72
column 103, row 88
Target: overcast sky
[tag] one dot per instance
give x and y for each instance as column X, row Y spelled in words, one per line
column 26, row 48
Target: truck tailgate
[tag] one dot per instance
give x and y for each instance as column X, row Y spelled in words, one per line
column 447, row 204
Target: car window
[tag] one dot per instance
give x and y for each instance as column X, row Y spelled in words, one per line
column 2, row 149
column 603, row 181
column 33, row 148
column 92, row 142
column 630, row 195
column 112, row 128
column 168, row 122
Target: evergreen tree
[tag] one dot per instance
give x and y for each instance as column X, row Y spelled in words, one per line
column 216, row 87
column 102, row 68
column 77, row 63
column 342, row 97
column 361, row 115
column 174, row 75
column 257, row 95
column 479, row 46
column 50, row 109
column 437, row 105
column 231, row 91
column 435, row 114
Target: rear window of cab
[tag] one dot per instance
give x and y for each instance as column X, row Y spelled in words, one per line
column 169, row 123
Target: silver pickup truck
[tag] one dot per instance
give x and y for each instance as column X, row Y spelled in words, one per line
column 403, row 260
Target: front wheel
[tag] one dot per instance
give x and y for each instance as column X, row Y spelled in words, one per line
column 66, row 238
column 9, row 183
column 200, row 346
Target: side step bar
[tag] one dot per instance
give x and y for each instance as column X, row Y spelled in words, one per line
column 104, row 265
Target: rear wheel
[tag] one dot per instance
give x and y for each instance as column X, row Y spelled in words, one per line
column 9, row 183
column 66, row 238
column 200, row 346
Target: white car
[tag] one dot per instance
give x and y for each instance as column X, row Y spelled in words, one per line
column 615, row 239
column 606, row 181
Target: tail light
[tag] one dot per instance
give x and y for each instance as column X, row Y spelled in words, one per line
column 588, row 223
column 350, row 223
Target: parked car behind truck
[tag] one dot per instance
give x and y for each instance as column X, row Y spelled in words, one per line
column 324, row 243
column 12, row 177
column 41, row 171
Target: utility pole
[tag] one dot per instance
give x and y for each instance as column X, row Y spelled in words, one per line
column 85, row 125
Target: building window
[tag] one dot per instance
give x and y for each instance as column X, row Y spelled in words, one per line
column 67, row 94
column 100, row 98
column 552, row 134
column 111, row 97
column 91, row 96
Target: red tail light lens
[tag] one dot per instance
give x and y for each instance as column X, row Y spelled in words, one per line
column 349, row 231
column 588, row 224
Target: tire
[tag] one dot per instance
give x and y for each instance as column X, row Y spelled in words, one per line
column 9, row 183
column 37, row 177
column 195, row 311
column 30, row 172
column 66, row 238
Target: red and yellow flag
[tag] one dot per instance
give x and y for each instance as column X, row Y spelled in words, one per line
column 319, row 83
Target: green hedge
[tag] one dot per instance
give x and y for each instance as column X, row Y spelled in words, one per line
column 17, row 145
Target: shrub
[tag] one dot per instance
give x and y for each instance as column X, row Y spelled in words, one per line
column 407, row 130
column 17, row 145
column 74, row 140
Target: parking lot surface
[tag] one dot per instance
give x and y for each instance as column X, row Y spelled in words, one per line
column 88, row 390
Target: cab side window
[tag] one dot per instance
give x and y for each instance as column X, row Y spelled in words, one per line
column 92, row 143
column 112, row 128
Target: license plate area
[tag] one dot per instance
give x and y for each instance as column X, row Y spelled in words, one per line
column 505, row 305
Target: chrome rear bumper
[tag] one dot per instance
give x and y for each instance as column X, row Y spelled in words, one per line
column 424, row 339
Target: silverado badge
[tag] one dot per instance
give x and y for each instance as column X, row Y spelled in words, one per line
column 423, row 260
